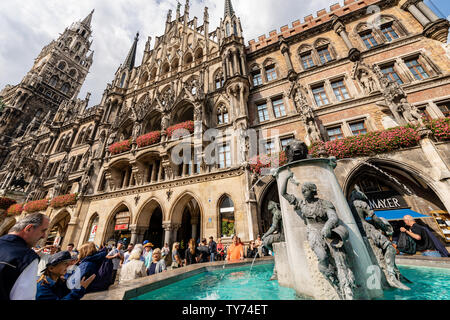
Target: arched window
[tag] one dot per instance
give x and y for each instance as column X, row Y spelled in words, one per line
column 199, row 54
column 228, row 29
column 235, row 29
column 144, row 78
column 62, row 65
column 175, row 64
column 256, row 75
column 306, row 57
column 153, row 74
column 166, row 68
column 122, row 80
column 222, row 115
column 72, row 73
column 227, row 221
column 92, row 229
column 77, row 59
column 219, row 79
column 188, row 58
column 53, row 81
column 65, row 88
column 324, row 50
column 77, row 46
column 81, row 136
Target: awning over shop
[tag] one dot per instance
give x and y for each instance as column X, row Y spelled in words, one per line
column 391, row 215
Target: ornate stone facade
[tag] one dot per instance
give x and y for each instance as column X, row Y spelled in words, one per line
column 332, row 76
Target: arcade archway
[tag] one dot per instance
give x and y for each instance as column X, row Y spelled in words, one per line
column 394, row 191
column 149, row 224
column 118, row 226
column 264, row 215
column 186, row 215
column 58, row 229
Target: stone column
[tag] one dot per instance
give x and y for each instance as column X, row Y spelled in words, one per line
column 154, row 173
column 427, row 11
column 194, row 223
column 339, row 27
column 134, row 234
column 244, row 65
column 167, row 226
column 285, row 51
column 175, row 227
column 224, row 68
column 160, row 171
column 236, row 63
column 411, row 7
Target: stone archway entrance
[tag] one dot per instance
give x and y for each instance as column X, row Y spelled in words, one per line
column 119, row 226
column 58, row 229
column 149, row 225
column 265, row 216
column 186, row 221
column 394, row 189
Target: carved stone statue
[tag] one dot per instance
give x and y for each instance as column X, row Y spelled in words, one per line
column 373, row 230
column 409, row 112
column 111, row 138
column 326, row 237
column 136, row 130
column 275, row 232
column 312, row 130
column 367, row 81
column 165, row 121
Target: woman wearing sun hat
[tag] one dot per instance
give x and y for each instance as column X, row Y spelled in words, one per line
column 52, row 286
column 148, row 254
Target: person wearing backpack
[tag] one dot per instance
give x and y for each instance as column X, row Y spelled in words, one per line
column 425, row 240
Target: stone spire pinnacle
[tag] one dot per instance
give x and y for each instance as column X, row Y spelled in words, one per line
column 229, row 11
column 131, row 58
column 87, row 21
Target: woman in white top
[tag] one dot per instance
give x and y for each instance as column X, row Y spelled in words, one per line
column 135, row 268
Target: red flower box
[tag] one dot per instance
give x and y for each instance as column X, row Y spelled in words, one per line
column 120, row 147
column 370, row 143
column 274, row 160
column 15, row 210
column 5, row 203
column 440, row 128
column 149, row 139
column 35, row 206
column 188, row 125
column 64, row 201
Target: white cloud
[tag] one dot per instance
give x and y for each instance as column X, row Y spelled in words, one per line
column 28, row 25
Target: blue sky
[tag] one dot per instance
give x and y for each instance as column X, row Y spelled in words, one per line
column 28, row 25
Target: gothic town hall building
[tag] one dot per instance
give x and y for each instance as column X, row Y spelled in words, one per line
column 107, row 172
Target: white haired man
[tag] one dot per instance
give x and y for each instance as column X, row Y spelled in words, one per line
column 18, row 262
column 424, row 243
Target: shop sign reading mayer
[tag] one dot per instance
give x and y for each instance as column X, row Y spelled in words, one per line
column 386, row 201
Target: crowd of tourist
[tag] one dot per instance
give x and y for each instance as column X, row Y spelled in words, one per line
column 29, row 272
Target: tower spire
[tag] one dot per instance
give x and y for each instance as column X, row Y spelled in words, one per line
column 131, row 58
column 229, row 11
column 87, row 21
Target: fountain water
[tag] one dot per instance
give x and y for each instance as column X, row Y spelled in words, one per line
column 253, row 262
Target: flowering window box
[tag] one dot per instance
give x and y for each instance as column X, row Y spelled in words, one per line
column 274, row 160
column 440, row 128
column 369, row 144
column 35, row 206
column 120, row 147
column 64, row 201
column 149, row 139
column 5, row 203
column 15, row 210
column 188, row 126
